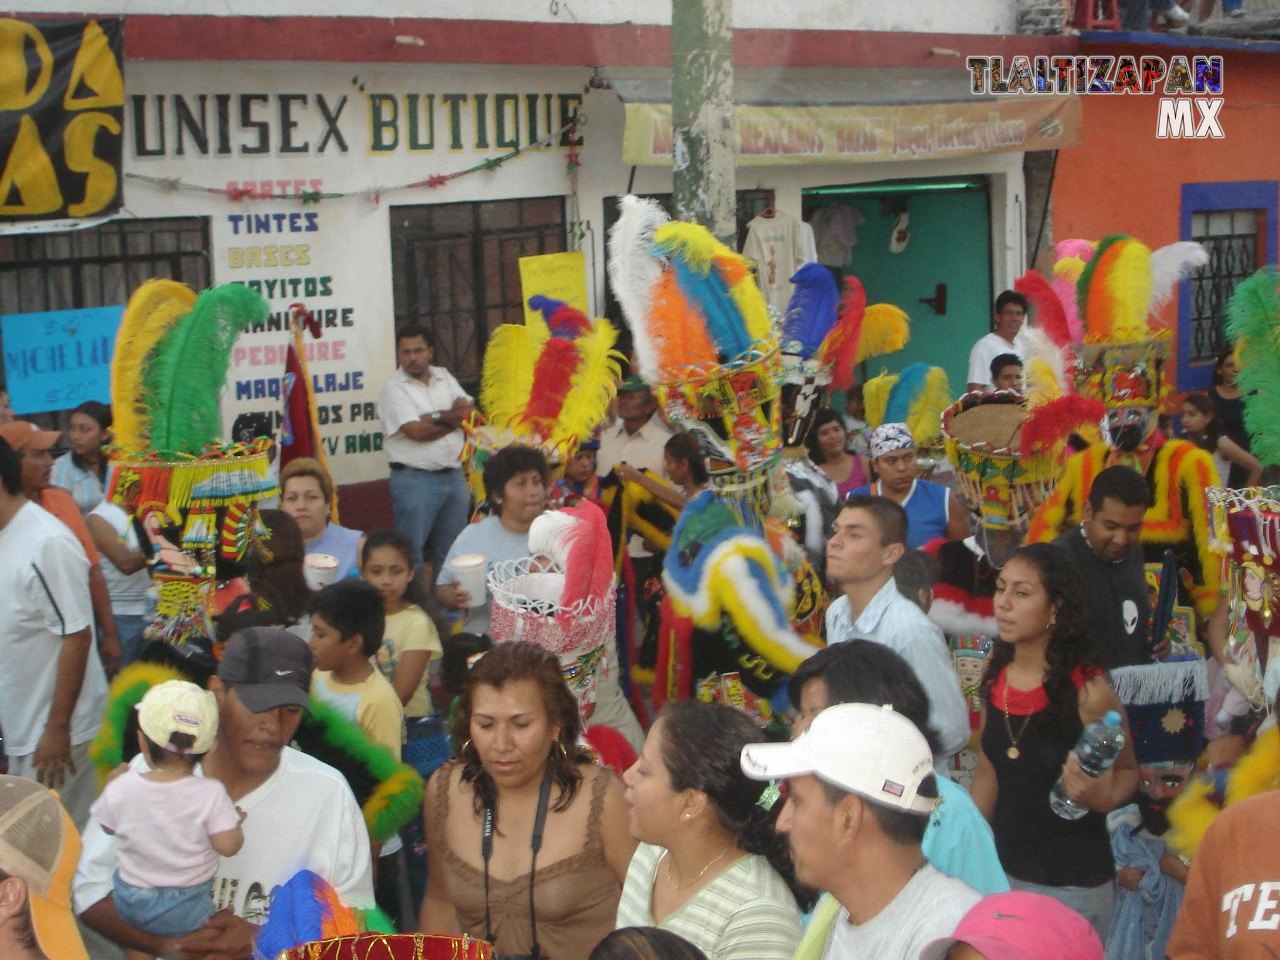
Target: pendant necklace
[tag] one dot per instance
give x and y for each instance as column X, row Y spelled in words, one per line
column 1013, row 752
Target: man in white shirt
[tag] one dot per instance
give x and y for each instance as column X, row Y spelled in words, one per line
column 299, row 812
column 867, row 538
column 1005, row 337
column 52, row 686
column 423, row 408
column 860, row 791
column 638, row 439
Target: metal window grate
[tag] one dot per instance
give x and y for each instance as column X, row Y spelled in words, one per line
column 1231, row 237
column 455, row 270
column 99, row 266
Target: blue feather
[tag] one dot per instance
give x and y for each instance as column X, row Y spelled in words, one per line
column 813, row 309
column 910, row 382
column 544, row 305
column 296, row 916
column 724, row 323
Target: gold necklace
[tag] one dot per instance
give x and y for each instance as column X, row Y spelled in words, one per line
column 1013, row 752
column 672, row 880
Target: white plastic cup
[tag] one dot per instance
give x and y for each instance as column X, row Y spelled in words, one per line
column 470, row 570
column 319, row 570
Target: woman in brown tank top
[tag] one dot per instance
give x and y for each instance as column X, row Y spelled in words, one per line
column 519, row 726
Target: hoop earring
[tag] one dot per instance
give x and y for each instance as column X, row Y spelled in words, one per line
column 564, row 754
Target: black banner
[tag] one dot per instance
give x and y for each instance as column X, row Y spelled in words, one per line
column 61, row 113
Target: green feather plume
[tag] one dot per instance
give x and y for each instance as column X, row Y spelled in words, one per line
column 397, row 797
column 1253, row 323
column 188, row 368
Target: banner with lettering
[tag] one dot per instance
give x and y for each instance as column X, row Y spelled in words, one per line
column 61, row 115
column 768, row 136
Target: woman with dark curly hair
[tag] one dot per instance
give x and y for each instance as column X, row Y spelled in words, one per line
column 710, row 866
column 1041, row 686
column 528, row 837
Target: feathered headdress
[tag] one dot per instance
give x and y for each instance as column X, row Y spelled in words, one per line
column 194, row 493
column 562, row 597
column 916, row 396
column 823, row 341
column 703, row 339
column 1124, row 346
column 1253, row 324
column 982, row 437
column 718, row 570
column 547, row 383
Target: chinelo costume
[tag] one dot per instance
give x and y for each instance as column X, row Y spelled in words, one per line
column 825, row 335
column 197, row 497
column 704, row 340
column 1120, row 362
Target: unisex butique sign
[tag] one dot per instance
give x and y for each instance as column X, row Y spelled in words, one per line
column 61, row 110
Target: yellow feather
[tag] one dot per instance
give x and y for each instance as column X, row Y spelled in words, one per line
column 1129, row 283
column 1069, row 268
column 875, row 397
column 750, row 303
column 692, row 243
column 885, row 329
column 1189, row 817
column 592, row 386
column 924, row 416
column 152, row 310
column 507, row 378
column 1258, row 770
column 1042, row 383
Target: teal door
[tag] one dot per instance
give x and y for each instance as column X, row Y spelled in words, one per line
column 949, row 243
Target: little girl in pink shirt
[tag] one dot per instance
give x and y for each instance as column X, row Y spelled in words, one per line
column 171, row 824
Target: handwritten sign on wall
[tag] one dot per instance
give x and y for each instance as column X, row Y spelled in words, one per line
column 58, row 359
column 560, row 276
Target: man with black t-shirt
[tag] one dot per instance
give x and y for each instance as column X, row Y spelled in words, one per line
column 1109, row 558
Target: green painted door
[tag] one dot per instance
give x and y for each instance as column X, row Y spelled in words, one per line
column 949, row 243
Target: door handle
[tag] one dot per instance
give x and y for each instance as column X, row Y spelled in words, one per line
column 938, row 302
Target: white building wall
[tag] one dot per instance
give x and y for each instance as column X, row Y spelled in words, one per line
column 923, row 16
column 334, row 255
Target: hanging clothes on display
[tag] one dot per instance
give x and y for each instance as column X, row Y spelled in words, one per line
column 775, row 243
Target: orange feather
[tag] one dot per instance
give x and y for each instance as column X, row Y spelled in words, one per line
column 680, row 334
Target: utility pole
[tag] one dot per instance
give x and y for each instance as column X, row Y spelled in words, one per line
column 702, row 114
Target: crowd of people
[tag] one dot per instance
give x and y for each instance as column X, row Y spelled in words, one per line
column 886, row 802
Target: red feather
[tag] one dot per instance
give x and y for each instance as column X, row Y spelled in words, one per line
column 551, row 381
column 566, row 321
column 841, row 344
column 588, row 565
column 1050, row 315
column 611, row 747
column 1052, row 422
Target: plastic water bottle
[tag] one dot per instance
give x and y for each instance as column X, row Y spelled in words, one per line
column 1096, row 750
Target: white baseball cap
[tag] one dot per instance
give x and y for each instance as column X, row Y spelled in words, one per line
column 177, row 706
column 869, row 750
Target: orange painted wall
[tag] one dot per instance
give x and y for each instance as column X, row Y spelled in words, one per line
column 1123, row 180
